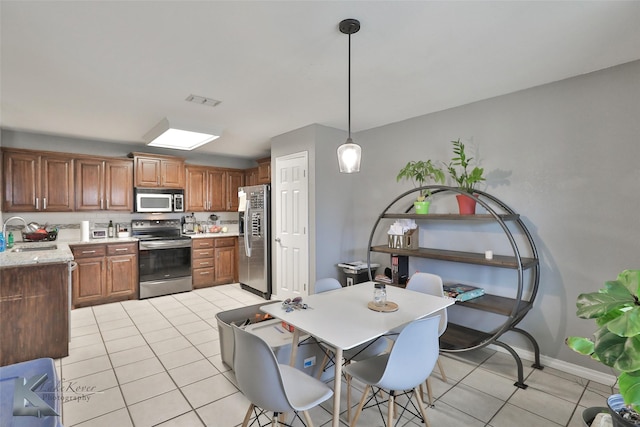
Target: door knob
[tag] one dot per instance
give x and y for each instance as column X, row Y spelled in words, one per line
column 278, row 239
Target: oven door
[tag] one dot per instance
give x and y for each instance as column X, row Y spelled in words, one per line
column 165, row 267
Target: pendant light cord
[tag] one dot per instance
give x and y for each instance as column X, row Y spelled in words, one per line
column 349, row 89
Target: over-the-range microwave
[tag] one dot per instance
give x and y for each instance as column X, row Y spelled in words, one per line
column 152, row 200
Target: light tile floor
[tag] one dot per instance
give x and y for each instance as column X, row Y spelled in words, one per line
column 157, row 362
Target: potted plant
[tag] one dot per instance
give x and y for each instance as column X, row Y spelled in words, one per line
column 419, row 172
column 466, row 179
column 616, row 311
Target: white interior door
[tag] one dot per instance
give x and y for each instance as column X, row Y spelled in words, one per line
column 291, row 219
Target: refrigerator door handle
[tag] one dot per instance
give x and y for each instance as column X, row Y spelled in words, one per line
column 247, row 229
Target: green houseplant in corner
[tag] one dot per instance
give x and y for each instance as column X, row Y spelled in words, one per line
column 459, row 170
column 616, row 343
column 419, row 172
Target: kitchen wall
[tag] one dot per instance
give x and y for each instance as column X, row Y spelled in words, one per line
column 563, row 155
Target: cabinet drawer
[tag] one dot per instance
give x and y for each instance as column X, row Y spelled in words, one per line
column 202, row 243
column 225, row 241
column 88, row 251
column 202, row 263
column 203, row 276
column 122, row 249
column 202, row 253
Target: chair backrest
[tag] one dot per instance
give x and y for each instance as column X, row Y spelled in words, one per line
column 431, row 284
column 326, row 284
column 413, row 355
column 257, row 372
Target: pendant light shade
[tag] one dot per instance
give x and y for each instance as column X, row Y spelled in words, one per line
column 349, row 153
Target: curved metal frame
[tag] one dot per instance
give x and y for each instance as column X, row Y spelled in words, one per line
column 515, row 316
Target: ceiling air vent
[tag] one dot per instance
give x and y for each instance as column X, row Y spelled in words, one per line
column 203, row 100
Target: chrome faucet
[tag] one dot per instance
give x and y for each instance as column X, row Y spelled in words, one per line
column 4, row 227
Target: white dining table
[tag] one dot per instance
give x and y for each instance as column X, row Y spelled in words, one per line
column 342, row 319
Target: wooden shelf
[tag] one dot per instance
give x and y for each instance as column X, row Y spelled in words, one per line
column 458, row 337
column 458, row 256
column 451, row 217
column 496, row 304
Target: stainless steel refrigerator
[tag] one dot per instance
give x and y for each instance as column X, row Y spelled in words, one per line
column 254, row 240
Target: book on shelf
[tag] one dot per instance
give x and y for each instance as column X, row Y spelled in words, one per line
column 461, row 292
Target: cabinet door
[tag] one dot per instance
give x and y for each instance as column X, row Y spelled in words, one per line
column 264, row 171
column 196, row 190
column 147, row 172
column 251, row 177
column 21, row 182
column 225, row 262
column 89, row 185
column 235, row 180
column 122, row 277
column 57, row 184
column 217, row 190
column 172, row 173
column 118, row 185
column 89, row 281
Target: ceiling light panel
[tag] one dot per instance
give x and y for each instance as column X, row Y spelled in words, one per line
column 203, row 100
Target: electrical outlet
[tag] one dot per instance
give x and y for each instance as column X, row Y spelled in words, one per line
column 309, row 362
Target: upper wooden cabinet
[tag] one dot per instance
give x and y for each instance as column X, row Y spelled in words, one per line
column 153, row 170
column 37, row 181
column 104, row 184
column 251, row 177
column 212, row 189
column 264, row 170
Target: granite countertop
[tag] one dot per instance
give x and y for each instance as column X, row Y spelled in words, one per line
column 103, row 241
column 203, row 235
column 17, row 256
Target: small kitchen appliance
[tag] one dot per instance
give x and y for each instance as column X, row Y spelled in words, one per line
column 189, row 224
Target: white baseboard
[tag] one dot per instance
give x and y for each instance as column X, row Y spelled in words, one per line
column 561, row 365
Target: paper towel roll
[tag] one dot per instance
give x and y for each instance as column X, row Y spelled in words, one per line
column 84, row 230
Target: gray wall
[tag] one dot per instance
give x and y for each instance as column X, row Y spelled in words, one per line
column 563, row 155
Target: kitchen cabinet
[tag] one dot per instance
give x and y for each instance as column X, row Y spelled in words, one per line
column 211, row 189
column 34, row 302
column 251, row 177
column 202, row 262
column 214, row 261
column 264, row 170
column 151, row 170
column 37, row 181
column 505, row 303
column 104, row 184
column 105, row 273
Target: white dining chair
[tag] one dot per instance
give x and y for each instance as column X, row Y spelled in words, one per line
column 361, row 352
column 270, row 386
column 431, row 284
column 403, row 369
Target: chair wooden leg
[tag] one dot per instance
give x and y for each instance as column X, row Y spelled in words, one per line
column 348, row 397
column 392, row 404
column 307, row 418
column 421, row 407
column 365, row 393
column 247, row 417
column 442, row 374
column 429, row 392
column 325, row 360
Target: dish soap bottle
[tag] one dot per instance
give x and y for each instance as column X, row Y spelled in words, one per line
column 1, row 242
column 10, row 240
column 110, row 229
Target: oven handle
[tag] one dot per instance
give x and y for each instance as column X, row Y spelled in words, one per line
column 165, row 244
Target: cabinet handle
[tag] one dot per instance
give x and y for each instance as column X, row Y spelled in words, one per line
column 121, row 249
column 107, row 203
column 204, row 273
column 37, row 204
column 101, row 204
column 44, row 203
column 88, row 252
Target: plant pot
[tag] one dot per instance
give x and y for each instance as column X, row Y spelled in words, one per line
column 421, row 207
column 615, row 402
column 589, row 414
column 466, row 204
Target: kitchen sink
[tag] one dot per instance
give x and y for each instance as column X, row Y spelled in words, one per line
column 35, row 248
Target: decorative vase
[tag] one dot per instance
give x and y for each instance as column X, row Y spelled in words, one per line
column 615, row 402
column 421, row 207
column 466, row 204
column 589, row 414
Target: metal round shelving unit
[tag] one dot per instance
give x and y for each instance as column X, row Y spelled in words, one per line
column 459, row 338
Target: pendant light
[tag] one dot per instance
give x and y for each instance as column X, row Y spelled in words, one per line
column 349, row 153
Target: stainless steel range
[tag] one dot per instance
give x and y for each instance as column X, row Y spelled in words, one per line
column 164, row 257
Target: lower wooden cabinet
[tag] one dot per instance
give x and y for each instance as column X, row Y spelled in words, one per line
column 105, row 273
column 214, row 261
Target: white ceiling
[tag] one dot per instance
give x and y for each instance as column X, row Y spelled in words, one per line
column 111, row 70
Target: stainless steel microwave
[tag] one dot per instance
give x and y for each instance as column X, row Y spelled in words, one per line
column 151, row 200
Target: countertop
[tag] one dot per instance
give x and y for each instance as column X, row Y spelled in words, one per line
column 203, row 235
column 10, row 258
